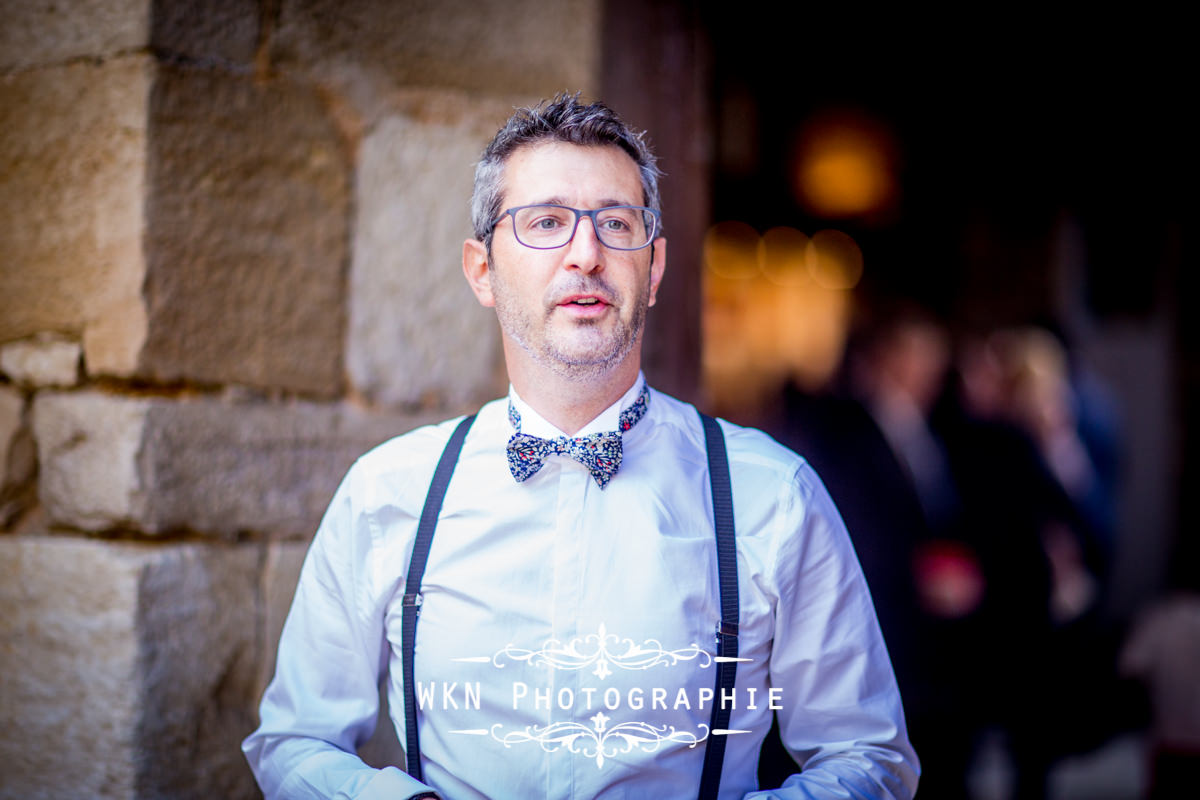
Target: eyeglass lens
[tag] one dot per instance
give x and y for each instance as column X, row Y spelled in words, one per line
column 619, row 227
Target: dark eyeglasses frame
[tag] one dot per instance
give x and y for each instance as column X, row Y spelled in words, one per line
column 579, row 213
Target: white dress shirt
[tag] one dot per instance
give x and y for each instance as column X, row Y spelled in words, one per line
column 566, row 638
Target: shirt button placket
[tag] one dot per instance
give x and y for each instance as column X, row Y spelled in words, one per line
column 568, row 575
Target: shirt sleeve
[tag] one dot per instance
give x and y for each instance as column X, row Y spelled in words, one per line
column 841, row 719
column 324, row 699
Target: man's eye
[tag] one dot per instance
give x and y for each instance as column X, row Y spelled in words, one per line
column 616, row 224
column 546, row 224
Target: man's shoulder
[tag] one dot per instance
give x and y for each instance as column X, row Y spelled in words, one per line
column 751, row 449
column 745, row 446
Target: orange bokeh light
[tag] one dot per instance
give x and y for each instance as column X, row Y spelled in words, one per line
column 845, row 167
column 834, row 260
column 776, row 308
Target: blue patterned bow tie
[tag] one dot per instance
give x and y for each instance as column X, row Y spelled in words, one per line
column 600, row 452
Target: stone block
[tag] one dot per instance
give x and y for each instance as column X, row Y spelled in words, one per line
column 518, row 48
column 41, row 361
column 46, row 33
column 73, row 142
column 223, row 32
column 206, row 465
column 416, row 331
column 199, row 658
column 89, row 444
column 12, row 411
column 17, row 458
column 42, row 34
column 226, row 468
column 247, row 235
column 127, row 671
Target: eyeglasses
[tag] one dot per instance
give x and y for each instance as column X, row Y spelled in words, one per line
column 547, row 226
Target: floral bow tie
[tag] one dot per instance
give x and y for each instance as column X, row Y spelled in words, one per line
column 601, row 453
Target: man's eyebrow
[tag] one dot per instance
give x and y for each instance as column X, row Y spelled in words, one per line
column 561, row 201
column 607, row 203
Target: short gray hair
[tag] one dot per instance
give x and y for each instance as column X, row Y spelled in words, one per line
column 561, row 119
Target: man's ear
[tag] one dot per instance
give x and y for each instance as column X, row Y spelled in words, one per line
column 658, row 264
column 475, row 267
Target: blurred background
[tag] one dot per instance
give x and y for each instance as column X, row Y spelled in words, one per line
column 941, row 255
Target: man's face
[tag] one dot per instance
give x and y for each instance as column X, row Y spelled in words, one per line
column 578, row 309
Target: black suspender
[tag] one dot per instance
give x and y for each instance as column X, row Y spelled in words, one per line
column 727, row 630
column 412, row 588
column 722, row 501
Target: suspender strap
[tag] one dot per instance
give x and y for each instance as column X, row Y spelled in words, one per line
column 412, row 588
column 727, row 644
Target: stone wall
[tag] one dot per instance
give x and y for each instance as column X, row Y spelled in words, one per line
column 230, row 234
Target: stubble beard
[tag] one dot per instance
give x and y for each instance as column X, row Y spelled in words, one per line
column 595, row 353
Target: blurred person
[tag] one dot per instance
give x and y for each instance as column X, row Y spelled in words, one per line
column 978, row 558
column 1044, row 402
column 573, row 607
column 897, row 372
column 1022, row 473
column 870, row 438
column 898, row 375
column 1162, row 651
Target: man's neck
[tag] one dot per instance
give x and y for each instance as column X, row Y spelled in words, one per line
column 570, row 403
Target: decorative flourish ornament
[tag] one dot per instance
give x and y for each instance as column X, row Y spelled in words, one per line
column 599, row 741
column 605, row 651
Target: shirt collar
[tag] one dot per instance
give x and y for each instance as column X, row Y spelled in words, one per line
column 609, row 419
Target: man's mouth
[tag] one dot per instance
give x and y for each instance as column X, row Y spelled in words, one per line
column 586, row 301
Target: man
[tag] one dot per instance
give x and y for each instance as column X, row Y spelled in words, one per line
column 567, row 614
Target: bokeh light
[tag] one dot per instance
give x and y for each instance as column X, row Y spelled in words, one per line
column 776, row 309
column 731, row 250
column 834, row 260
column 783, row 256
column 845, row 166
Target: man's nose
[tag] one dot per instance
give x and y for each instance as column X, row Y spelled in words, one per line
column 584, row 251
